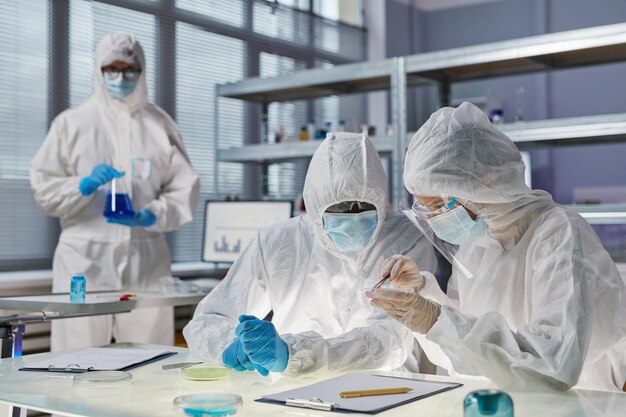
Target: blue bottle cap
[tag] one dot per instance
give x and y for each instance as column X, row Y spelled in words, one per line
column 489, row 402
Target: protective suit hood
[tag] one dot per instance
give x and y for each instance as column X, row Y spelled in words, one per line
column 345, row 167
column 459, row 153
column 121, row 47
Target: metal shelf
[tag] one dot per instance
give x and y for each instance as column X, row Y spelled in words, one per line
column 601, row 213
column 568, row 49
column 572, row 130
column 286, row 151
column 319, row 82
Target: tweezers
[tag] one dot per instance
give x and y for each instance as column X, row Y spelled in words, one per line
column 380, row 283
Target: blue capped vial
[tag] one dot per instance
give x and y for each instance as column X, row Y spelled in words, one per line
column 488, row 402
column 78, row 288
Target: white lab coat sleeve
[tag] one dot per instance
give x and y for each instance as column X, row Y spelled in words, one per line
column 243, row 291
column 548, row 351
column 52, row 179
column 383, row 343
column 178, row 198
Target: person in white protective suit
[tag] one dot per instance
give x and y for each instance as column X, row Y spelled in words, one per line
column 116, row 133
column 310, row 271
column 545, row 307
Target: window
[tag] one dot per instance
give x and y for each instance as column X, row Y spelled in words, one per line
column 23, row 84
column 28, row 237
column 204, row 59
column 89, row 23
column 285, row 180
column 191, row 45
column 231, row 11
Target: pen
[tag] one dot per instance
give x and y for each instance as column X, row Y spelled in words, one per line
column 370, row 392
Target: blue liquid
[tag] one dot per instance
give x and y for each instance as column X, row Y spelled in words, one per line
column 226, row 411
column 123, row 207
column 488, row 403
column 78, row 288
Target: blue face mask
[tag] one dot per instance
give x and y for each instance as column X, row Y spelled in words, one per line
column 120, row 88
column 350, row 232
column 456, row 226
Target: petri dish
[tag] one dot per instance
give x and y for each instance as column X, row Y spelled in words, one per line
column 103, row 379
column 205, row 372
column 386, row 292
column 208, row 404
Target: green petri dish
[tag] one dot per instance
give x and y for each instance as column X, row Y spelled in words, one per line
column 208, row 404
column 204, row 372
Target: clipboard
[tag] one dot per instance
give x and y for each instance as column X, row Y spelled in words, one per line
column 324, row 395
column 99, row 359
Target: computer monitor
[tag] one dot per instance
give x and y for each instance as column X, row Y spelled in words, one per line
column 230, row 225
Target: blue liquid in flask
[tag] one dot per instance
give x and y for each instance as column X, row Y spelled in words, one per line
column 118, row 204
column 119, row 207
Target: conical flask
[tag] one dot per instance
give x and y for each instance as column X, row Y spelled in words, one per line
column 118, row 203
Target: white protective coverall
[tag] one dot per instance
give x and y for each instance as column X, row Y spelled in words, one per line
column 315, row 291
column 546, row 305
column 129, row 135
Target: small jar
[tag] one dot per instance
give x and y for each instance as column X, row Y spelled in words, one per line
column 488, row 402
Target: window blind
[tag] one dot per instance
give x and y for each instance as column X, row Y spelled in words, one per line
column 27, row 236
column 204, row 42
column 89, row 23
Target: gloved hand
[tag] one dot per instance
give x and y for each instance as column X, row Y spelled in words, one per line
column 262, row 343
column 234, row 357
column 403, row 272
column 100, row 175
column 145, row 218
column 408, row 307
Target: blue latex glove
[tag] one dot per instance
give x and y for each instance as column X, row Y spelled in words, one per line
column 234, row 357
column 262, row 343
column 145, row 218
column 100, row 175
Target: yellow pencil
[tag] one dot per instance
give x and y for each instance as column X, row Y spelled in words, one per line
column 370, row 392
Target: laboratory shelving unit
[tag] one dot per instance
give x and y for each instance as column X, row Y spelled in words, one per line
column 568, row 49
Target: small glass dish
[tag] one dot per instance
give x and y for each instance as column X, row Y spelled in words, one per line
column 208, row 404
column 103, row 379
column 205, row 372
column 386, row 292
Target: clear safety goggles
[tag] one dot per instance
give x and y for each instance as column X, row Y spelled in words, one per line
column 419, row 216
column 350, row 207
column 129, row 74
column 434, row 208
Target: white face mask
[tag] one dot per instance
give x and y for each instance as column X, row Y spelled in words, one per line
column 456, row 226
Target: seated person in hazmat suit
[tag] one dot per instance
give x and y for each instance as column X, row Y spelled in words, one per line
column 310, row 271
column 543, row 304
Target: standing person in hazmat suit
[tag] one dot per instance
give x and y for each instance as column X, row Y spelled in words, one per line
column 542, row 303
column 117, row 133
column 310, row 271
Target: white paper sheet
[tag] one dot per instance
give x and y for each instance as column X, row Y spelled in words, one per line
column 329, row 390
column 100, row 359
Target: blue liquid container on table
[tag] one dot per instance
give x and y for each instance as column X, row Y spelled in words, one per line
column 118, row 204
column 488, row 402
column 78, row 288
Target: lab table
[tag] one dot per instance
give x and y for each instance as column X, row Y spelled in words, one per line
column 153, row 390
column 40, row 308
